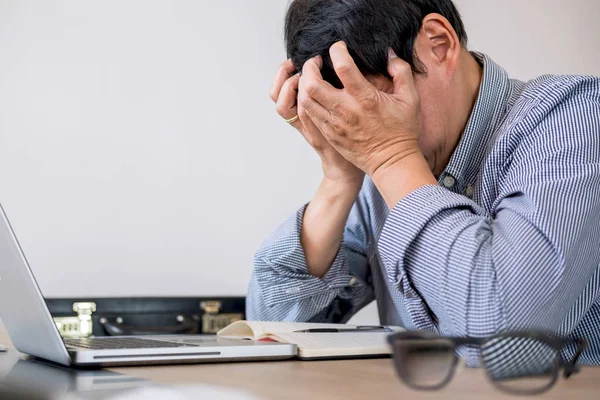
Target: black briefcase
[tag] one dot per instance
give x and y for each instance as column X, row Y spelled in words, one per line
column 76, row 318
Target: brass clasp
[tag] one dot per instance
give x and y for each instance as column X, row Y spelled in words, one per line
column 212, row 321
column 80, row 326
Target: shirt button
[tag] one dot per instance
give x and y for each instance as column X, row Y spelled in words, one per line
column 470, row 190
column 449, row 181
column 354, row 282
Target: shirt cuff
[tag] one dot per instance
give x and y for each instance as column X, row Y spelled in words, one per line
column 289, row 279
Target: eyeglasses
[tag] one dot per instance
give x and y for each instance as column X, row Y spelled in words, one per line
column 516, row 362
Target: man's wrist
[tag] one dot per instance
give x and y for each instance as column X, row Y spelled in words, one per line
column 340, row 191
column 324, row 221
column 397, row 179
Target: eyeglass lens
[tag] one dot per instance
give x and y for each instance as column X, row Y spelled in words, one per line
column 520, row 364
column 424, row 363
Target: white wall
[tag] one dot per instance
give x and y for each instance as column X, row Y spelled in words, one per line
column 140, row 154
column 534, row 37
column 139, row 151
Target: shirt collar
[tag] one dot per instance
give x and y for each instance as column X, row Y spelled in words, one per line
column 488, row 112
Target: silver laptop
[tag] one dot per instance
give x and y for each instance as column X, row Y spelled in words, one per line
column 32, row 330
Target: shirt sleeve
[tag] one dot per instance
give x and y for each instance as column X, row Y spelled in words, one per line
column 281, row 289
column 531, row 263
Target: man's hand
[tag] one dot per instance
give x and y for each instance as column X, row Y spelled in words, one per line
column 284, row 93
column 378, row 132
column 368, row 127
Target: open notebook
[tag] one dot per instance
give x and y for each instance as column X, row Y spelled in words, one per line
column 314, row 345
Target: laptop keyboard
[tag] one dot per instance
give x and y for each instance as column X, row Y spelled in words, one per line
column 113, row 343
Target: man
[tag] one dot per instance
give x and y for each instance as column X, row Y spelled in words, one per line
column 480, row 209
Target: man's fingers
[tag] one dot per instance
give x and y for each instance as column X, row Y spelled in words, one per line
column 286, row 103
column 313, row 85
column 310, row 131
column 320, row 118
column 317, row 113
column 316, row 129
column 283, row 73
column 401, row 73
column 346, row 69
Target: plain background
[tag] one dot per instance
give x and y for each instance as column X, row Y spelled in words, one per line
column 140, row 153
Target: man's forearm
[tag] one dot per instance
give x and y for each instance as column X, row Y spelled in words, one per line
column 324, row 222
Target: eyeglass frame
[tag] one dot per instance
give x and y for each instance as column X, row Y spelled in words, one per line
column 555, row 342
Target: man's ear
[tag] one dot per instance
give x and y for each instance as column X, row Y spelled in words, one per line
column 438, row 42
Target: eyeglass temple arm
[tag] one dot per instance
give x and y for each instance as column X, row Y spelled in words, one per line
column 571, row 367
column 458, row 341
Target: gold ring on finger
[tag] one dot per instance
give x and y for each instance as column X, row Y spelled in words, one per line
column 292, row 120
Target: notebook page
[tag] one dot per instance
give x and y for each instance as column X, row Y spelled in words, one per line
column 338, row 344
column 258, row 329
column 288, row 327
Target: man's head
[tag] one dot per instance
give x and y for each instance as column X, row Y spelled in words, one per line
column 427, row 34
column 369, row 28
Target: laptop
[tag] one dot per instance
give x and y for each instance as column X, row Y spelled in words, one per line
column 28, row 322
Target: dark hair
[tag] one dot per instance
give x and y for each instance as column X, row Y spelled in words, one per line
column 369, row 28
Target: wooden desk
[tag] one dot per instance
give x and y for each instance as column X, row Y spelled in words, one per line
column 355, row 379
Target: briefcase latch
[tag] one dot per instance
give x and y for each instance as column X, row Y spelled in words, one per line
column 212, row 321
column 79, row 326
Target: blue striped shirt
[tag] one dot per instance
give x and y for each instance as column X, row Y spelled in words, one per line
column 510, row 239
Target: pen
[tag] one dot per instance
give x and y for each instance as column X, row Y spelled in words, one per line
column 347, row 330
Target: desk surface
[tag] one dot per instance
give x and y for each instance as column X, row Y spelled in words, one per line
column 353, row 379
